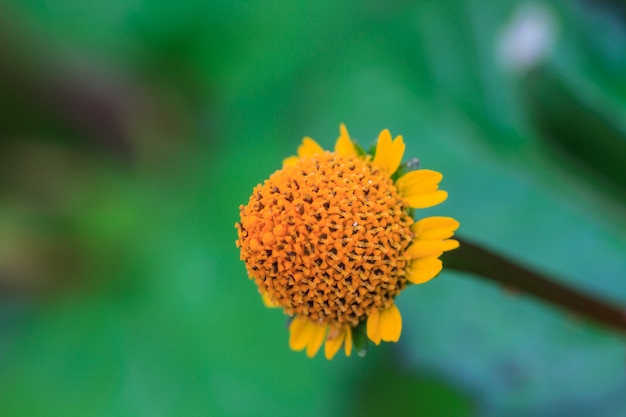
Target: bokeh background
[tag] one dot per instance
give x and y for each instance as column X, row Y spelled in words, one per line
column 131, row 131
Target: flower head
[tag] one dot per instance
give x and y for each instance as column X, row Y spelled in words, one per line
column 331, row 239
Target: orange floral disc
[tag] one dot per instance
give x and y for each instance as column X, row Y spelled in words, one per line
column 326, row 238
column 331, row 239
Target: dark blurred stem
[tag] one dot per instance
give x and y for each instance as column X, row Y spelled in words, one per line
column 485, row 264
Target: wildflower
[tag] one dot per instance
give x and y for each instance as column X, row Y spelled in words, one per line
column 330, row 238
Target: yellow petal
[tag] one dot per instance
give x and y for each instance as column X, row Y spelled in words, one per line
column 373, row 327
column 268, row 301
column 420, row 188
column 348, row 342
column 334, row 340
column 435, row 228
column 423, row 270
column 426, row 200
column 450, row 244
column 317, row 339
column 290, row 161
column 309, row 148
column 425, row 248
column 418, row 181
column 390, row 324
column 299, row 333
column 388, row 153
column 344, row 145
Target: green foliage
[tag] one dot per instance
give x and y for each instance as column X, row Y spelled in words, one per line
column 157, row 316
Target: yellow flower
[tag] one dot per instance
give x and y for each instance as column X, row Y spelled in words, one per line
column 329, row 238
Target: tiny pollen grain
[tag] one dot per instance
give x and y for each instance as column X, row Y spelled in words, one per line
column 326, row 238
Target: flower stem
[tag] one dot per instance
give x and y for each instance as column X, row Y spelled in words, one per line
column 482, row 263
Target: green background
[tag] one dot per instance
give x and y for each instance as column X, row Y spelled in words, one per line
column 131, row 131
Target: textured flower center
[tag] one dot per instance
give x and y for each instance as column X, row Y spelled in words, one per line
column 326, row 238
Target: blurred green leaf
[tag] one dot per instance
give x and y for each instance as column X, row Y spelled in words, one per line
column 359, row 340
column 390, row 390
column 167, row 328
